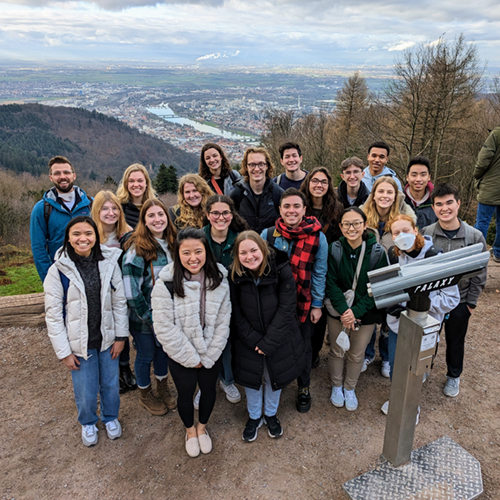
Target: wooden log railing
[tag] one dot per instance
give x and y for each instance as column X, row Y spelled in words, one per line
column 22, row 310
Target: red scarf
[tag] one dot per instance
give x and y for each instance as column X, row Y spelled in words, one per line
column 305, row 240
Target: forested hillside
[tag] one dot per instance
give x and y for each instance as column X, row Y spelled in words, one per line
column 97, row 145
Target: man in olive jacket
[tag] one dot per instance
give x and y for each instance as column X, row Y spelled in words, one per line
column 487, row 176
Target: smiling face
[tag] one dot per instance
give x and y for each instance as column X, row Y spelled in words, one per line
column 136, row 187
column 156, row 220
column 446, row 209
column 82, row 238
column 62, row 176
column 352, row 176
column 256, row 167
column 318, row 185
column 109, row 213
column 192, row 195
column 417, row 178
column 192, row 255
column 352, row 227
column 384, row 196
column 291, row 160
column 213, row 160
column 292, row 210
column 250, row 255
column 377, row 160
column 220, row 216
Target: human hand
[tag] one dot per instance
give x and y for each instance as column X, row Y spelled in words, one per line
column 315, row 314
column 470, row 309
column 71, row 362
column 199, row 365
column 117, row 348
column 259, row 351
column 348, row 317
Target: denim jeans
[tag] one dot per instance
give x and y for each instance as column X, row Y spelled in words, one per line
column 97, row 374
column 271, row 398
column 382, row 347
column 483, row 219
column 226, row 373
column 148, row 351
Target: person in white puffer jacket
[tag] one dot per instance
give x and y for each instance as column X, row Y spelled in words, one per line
column 87, row 322
column 191, row 315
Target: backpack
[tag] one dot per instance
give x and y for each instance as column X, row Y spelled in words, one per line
column 378, row 250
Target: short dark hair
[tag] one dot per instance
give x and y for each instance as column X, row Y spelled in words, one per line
column 293, row 192
column 419, row 160
column 59, row 159
column 289, row 145
column 381, row 145
column 444, row 189
column 95, row 253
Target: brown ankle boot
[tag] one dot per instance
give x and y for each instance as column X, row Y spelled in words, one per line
column 166, row 391
column 151, row 402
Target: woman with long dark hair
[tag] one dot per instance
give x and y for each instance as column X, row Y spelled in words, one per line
column 216, row 170
column 191, row 314
column 86, row 315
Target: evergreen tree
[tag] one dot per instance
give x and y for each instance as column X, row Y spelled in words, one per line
column 110, row 181
column 173, row 182
column 166, row 180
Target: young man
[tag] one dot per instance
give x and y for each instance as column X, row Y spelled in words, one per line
column 302, row 239
column 418, row 190
column 291, row 159
column 378, row 156
column 450, row 233
column 51, row 215
column 352, row 191
column 256, row 196
column 487, row 181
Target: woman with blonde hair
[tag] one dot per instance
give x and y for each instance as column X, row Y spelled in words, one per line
column 216, row 170
column 191, row 200
column 134, row 190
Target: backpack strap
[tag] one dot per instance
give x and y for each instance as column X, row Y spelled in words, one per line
column 336, row 252
column 47, row 210
column 170, row 287
column 392, row 256
column 233, row 177
column 270, row 236
column 377, row 252
column 65, row 285
column 278, row 179
column 432, row 251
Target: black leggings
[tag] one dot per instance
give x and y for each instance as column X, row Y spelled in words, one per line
column 185, row 380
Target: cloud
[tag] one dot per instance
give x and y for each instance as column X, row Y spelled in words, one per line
column 116, row 5
column 401, row 46
column 217, row 56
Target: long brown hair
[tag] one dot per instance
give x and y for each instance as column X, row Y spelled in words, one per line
column 189, row 216
column 370, row 208
column 145, row 243
column 121, row 226
column 238, row 269
column 204, row 170
column 419, row 239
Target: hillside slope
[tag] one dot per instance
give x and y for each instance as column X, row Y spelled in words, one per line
column 97, row 145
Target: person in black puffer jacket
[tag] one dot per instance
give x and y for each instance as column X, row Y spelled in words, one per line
column 267, row 343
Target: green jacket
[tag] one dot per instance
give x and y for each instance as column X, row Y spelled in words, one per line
column 487, row 171
column 227, row 252
column 340, row 277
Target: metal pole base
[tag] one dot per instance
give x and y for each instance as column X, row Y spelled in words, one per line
column 441, row 470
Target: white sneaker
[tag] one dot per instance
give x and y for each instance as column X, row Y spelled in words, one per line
column 196, row 402
column 426, row 377
column 366, row 362
column 351, row 401
column 232, row 393
column 89, row 435
column 337, row 397
column 385, row 408
column 113, row 429
column 385, row 370
column 452, row 387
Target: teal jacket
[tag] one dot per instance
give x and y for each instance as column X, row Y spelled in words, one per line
column 227, row 251
column 340, row 277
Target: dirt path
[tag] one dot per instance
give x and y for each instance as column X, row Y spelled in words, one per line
column 42, row 457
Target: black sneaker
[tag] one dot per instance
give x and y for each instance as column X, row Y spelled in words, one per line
column 251, row 427
column 303, row 400
column 274, row 428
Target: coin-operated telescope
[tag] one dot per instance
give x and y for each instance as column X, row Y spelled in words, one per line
column 418, row 333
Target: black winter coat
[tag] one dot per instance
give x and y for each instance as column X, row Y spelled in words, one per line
column 264, row 316
column 363, row 194
column 131, row 213
column 259, row 211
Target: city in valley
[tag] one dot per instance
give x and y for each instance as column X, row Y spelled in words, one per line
column 186, row 107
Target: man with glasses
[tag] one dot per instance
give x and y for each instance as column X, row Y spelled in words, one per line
column 51, row 215
column 352, row 191
column 307, row 248
column 291, row 159
column 256, row 197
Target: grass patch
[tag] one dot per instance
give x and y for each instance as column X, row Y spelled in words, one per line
column 18, row 274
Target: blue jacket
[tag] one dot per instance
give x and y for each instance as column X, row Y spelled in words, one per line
column 46, row 239
column 369, row 180
column 320, row 265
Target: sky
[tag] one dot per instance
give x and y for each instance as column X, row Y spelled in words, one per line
column 241, row 32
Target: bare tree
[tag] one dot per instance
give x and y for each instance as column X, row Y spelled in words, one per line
column 279, row 128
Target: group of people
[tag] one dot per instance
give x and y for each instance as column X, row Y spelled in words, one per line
column 238, row 282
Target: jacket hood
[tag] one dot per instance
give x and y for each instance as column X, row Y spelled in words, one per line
column 167, row 273
column 51, row 195
column 385, row 171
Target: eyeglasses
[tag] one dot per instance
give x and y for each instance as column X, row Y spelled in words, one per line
column 255, row 166
column 66, row 173
column 315, row 182
column 356, row 224
column 225, row 215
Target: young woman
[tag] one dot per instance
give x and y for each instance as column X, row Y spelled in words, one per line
column 148, row 250
column 134, row 190
column 108, row 216
column 268, row 348
column 356, row 249
column 322, row 203
column 191, row 314
column 221, row 231
column 86, row 315
column 192, row 198
column 384, row 203
column 215, row 169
